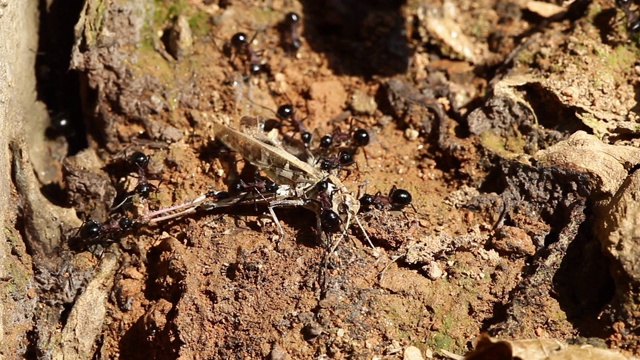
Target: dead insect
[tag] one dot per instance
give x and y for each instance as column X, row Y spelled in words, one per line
column 297, row 184
column 285, row 168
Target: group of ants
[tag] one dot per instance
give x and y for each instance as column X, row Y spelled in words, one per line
column 93, row 232
column 337, row 151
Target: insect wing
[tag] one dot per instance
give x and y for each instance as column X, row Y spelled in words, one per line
column 249, row 198
column 276, row 162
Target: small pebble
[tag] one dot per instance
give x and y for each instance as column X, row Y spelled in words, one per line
column 412, row 353
column 180, row 38
column 433, row 270
column 411, row 134
column 362, row 103
column 311, row 331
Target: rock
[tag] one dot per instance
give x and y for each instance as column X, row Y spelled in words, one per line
column 511, row 240
column 278, row 353
column 433, row 270
column 412, row 353
column 606, row 164
column 411, row 134
column 619, row 234
column 362, row 103
column 487, row 348
column 180, row 38
column 311, row 331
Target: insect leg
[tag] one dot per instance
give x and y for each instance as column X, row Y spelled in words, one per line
column 366, row 236
column 277, row 221
column 190, row 207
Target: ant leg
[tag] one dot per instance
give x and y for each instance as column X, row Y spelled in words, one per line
column 319, row 231
column 366, row 158
column 127, row 198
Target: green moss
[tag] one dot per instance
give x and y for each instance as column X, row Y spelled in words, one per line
column 526, row 57
column 199, row 23
column 166, row 11
column 594, row 11
column 441, row 341
column 94, row 23
column 621, row 59
column 265, row 15
column 493, row 142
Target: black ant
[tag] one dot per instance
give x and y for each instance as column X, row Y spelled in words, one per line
column 329, row 220
column 259, row 185
column 61, row 125
column 218, row 195
column 396, row 200
column 290, row 33
column 287, row 112
column 344, row 158
column 358, row 138
column 633, row 20
column 139, row 161
column 324, row 194
column 92, row 232
column 242, row 45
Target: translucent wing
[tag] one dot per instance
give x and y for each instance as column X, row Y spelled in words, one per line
column 280, row 165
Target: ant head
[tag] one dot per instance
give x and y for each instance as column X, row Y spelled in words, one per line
column 143, row 189
column 255, row 69
column 361, row 137
column 285, row 111
column 221, row 195
column 634, row 26
column 236, row 187
column 623, row 3
column 125, row 223
column 61, row 124
column 323, row 186
column 239, row 40
column 326, row 141
column 139, row 159
column 330, row 221
column 292, row 18
column 306, row 137
column 345, row 158
column 271, row 186
column 90, row 229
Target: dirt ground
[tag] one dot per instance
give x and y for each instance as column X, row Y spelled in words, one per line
column 490, row 113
